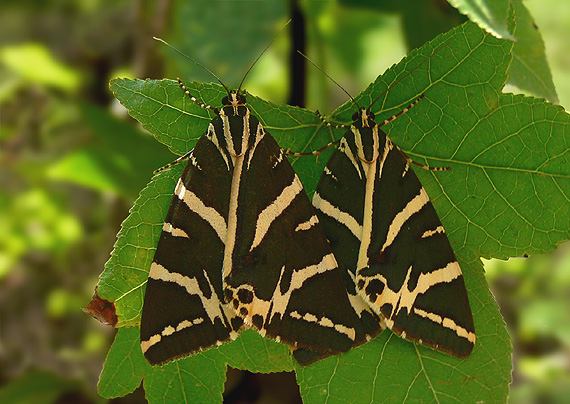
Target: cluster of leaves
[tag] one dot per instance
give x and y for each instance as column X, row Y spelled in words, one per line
column 503, row 197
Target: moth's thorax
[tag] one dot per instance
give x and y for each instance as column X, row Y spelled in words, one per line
column 366, row 135
column 235, row 118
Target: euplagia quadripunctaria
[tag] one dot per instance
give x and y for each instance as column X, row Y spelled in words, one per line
column 383, row 228
column 241, row 246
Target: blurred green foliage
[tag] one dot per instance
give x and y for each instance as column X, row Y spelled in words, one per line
column 72, row 163
column 534, row 296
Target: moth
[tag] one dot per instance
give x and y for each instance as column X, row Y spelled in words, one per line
column 385, row 232
column 241, row 246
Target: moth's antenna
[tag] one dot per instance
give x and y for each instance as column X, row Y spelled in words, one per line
column 261, row 54
column 331, row 79
column 189, row 58
column 407, row 74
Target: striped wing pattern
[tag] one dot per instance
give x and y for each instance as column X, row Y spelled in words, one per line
column 281, row 275
column 183, row 310
column 242, row 246
column 383, row 228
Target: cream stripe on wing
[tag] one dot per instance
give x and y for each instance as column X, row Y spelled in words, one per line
column 437, row 230
column 447, row 323
column 324, row 322
column 175, row 231
column 414, row 206
column 207, row 213
column 211, row 305
column 342, row 217
column 232, row 217
column 328, row 172
column 214, row 139
column 308, row 224
column 259, row 135
column 275, row 209
column 351, row 157
column 169, row 330
column 407, row 297
column 367, row 225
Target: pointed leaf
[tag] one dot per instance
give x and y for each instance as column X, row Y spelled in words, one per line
column 491, row 15
column 530, row 71
column 125, row 365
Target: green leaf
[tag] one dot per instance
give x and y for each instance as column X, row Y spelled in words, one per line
column 529, row 70
column 257, row 354
column 491, row 15
column 195, row 379
column 125, row 366
column 505, row 195
column 124, row 277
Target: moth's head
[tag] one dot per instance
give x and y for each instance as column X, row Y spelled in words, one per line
column 364, row 117
column 234, row 99
column 234, row 108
